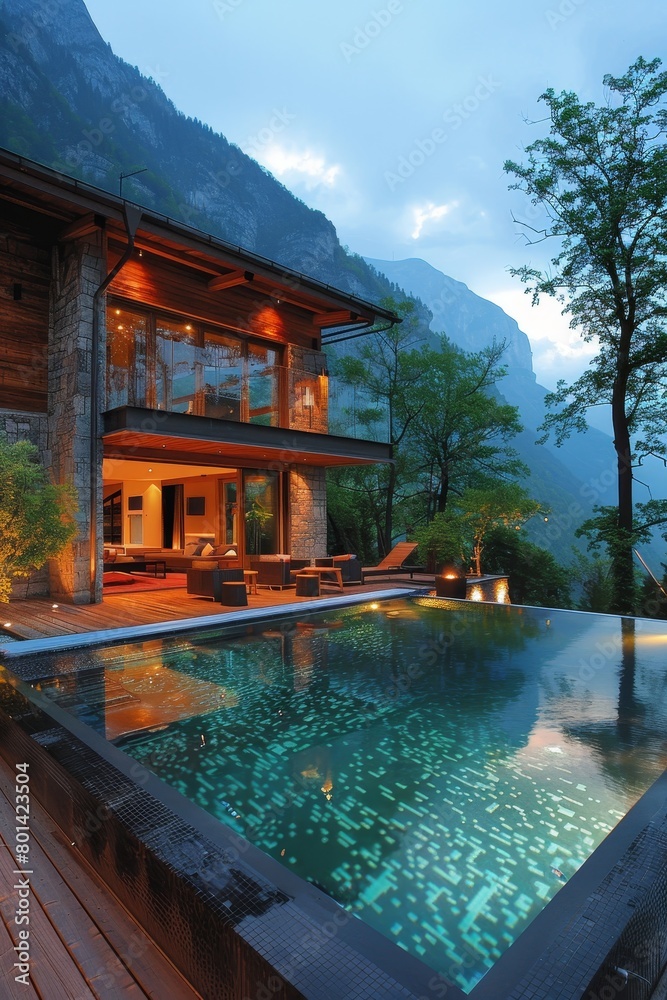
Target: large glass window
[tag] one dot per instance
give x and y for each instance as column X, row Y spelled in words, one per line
column 262, row 512
column 222, row 377
column 126, row 357
column 263, row 375
column 175, row 366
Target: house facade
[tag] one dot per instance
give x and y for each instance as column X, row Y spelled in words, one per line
column 177, row 381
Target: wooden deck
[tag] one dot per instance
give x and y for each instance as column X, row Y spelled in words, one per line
column 37, row 618
column 83, row 944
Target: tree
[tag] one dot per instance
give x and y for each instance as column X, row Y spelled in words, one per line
column 535, row 576
column 388, row 370
column 482, row 510
column 460, row 429
column 601, row 177
column 36, row 517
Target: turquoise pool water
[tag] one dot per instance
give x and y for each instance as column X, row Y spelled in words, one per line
column 440, row 769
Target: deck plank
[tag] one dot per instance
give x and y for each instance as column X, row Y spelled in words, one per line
column 79, row 924
column 35, row 618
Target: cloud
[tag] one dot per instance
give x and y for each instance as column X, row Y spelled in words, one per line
column 428, row 213
column 304, row 166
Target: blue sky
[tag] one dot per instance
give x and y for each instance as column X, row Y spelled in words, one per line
column 394, row 118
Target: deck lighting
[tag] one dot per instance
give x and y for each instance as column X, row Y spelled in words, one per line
column 476, row 594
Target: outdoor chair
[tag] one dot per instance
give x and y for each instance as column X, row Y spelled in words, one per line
column 276, row 570
column 394, row 562
column 349, row 566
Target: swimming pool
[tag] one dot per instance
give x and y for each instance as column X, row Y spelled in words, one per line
column 440, row 769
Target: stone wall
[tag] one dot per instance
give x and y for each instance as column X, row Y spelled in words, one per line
column 81, row 269
column 308, row 513
column 28, row 427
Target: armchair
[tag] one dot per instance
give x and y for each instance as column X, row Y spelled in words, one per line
column 349, row 566
column 276, row 570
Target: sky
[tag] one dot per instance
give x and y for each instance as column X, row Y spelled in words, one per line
column 394, row 118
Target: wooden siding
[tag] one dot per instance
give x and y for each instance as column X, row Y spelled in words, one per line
column 184, row 290
column 24, row 322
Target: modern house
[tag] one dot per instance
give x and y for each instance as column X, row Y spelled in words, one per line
column 177, row 381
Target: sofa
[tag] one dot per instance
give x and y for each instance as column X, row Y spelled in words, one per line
column 217, row 556
column 349, row 566
column 277, row 570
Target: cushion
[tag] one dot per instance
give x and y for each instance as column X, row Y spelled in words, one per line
column 189, row 549
column 199, row 548
column 207, row 550
column 230, row 553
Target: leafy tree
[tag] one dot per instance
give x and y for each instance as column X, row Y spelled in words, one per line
column 36, row 517
column 482, row 510
column 460, row 428
column 389, row 371
column 535, row 577
column 601, row 176
column 443, row 542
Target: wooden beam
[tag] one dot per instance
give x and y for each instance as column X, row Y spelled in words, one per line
column 87, row 224
column 230, row 280
column 335, row 318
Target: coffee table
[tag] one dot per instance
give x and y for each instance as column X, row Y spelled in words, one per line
column 323, row 571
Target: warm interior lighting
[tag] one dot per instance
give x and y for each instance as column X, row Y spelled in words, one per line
column 54, row 607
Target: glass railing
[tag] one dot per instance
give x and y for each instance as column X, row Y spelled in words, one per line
column 275, row 397
column 353, row 412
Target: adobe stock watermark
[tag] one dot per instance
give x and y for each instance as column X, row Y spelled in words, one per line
column 558, row 15
column 365, row 33
column 224, row 7
column 280, row 119
column 454, row 117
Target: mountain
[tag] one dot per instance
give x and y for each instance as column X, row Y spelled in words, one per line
column 67, row 101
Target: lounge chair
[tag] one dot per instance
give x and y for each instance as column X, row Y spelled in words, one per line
column 393, row 562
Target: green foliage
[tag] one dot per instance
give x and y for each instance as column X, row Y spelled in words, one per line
column 592, row 577
column 601, row 178
column 447, row 429
column 460, row 429
column 535, row 577
column 36, row 517
column 443, row 542
column 482, row 510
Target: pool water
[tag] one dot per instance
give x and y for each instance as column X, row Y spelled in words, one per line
column 439, row 769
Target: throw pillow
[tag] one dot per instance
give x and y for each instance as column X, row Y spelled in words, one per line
column 207, row 550
column 190, row 549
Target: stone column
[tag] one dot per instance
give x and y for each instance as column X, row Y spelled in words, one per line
column 308, row 513
column 80, row 269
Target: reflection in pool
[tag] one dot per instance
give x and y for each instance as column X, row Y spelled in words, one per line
column 439, row 769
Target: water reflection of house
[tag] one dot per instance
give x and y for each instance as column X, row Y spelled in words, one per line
column 177, row 381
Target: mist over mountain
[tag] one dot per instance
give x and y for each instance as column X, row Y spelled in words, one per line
column 66, row 100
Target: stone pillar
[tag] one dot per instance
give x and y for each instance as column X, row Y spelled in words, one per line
column 32, row 427
column 81, row 267
column 308, row 513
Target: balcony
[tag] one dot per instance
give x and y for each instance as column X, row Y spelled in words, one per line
column 274, row 397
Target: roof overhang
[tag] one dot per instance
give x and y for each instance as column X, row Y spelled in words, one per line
column 76, row 209
column 153, row 435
